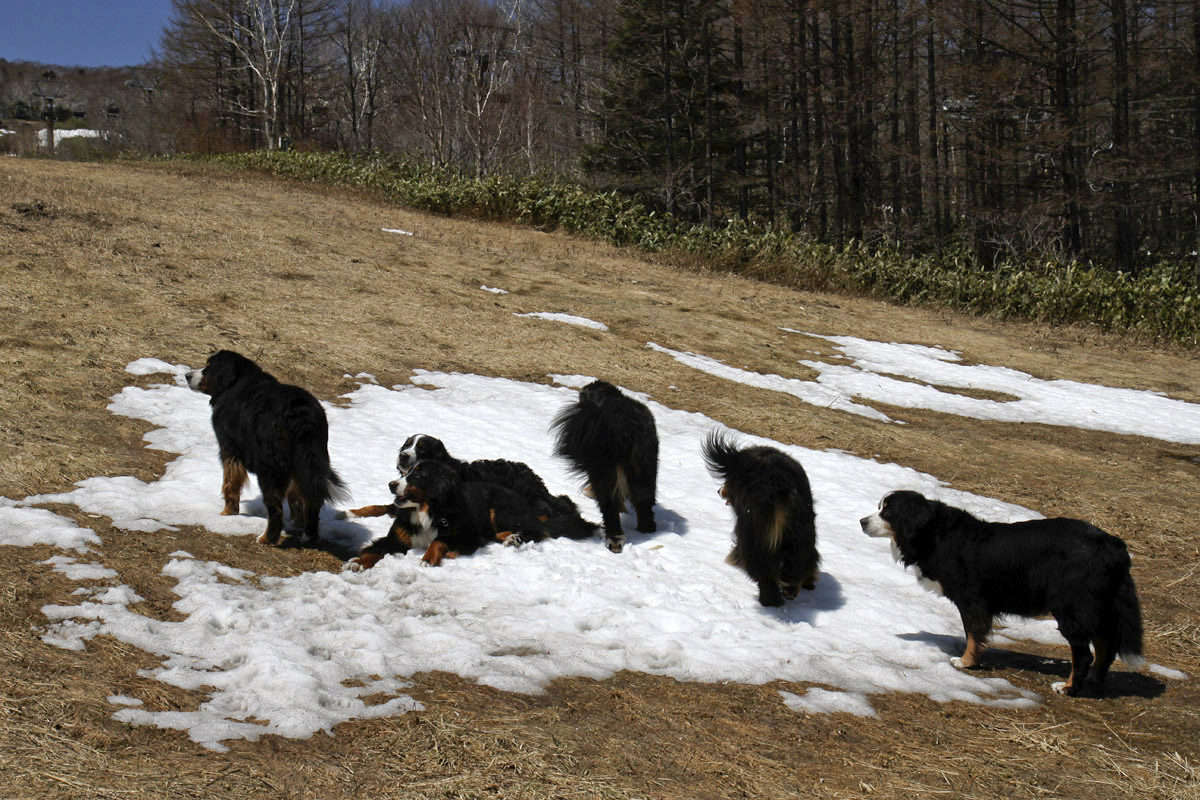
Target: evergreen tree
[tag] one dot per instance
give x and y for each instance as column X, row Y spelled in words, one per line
column 665, row 128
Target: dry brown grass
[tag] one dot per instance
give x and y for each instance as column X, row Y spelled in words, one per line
column 103, row 264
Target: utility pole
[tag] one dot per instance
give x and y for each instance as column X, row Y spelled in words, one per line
column 49, row 90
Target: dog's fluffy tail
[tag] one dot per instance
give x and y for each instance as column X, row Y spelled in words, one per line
column 1129, row 623
column 316, row 477
column 720, row 455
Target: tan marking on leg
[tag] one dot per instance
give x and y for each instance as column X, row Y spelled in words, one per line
column 973, row 652
column 368, row 511
column 233, row 478
column 436, row 551
column 367, row 560
column 502, row 536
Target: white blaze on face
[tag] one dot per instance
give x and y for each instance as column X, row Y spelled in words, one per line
column 407, row 457
column 875, row 525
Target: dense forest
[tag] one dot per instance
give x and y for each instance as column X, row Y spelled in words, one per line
column 991, row 130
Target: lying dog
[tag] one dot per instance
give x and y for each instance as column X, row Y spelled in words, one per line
column 559, row 514
column 278, row 432
column 1067, row 568
column 462, row 516
column 775, row 534
column 611, row 439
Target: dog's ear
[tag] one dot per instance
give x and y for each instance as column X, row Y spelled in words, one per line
column 908, row 513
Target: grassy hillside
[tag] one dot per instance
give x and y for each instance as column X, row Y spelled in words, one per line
column 107, row 263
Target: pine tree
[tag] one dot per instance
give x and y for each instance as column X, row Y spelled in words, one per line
column 665, row 129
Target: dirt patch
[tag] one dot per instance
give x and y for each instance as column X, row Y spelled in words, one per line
column 105, row 264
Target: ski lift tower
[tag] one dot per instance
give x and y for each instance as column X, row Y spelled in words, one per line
column 49, row 90
column 147, row 84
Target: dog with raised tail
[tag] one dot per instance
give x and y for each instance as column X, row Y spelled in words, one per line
column 611, row 440
column 775, row 530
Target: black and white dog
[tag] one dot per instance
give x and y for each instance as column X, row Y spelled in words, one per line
column 775, row 533
column 1064, row 567
column 462, row 516
column 610, row 439
column 556, row 515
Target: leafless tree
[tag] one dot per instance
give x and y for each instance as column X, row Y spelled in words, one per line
column 254, row 34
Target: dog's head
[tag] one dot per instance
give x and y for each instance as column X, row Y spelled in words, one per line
column 597, row 393
column 223, row 369
column 902, row 517
column 420, row 447
column 429, row 486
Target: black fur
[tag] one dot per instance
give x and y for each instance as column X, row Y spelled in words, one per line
column 610, row 438
column 1063, row 567
column 775, row 533
column 559, row 510
column 278, row 432
column 466, row 515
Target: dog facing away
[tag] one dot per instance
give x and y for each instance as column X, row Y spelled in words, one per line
column 559, row 511
column 462, row 515
column 610, row 438
column 277, row 431
column 775, row 532
column 1064, row 567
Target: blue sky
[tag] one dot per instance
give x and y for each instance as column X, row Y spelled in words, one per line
column 86, row 33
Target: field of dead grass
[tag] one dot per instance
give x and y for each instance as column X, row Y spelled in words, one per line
column 102, row 264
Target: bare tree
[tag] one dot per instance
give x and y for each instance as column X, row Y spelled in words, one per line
column 255, row 34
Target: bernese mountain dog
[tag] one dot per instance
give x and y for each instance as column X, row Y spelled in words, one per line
column 610, row 439
column 559, row 511
column 774, row 531
column 278, row 432
column 1063, row 567
column 462, row 516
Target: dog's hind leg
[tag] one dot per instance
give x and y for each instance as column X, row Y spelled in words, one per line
column 295, row 505
column 1105, row 653
column 608, row 498
column 233, row 478
column 1081, row 659
column 640, row 491
column 273, row 500
column 770, row 592
column 312, row 520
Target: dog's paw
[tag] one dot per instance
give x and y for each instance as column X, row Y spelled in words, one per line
column 353, row 565
column 1061, row 687
column 958, row 663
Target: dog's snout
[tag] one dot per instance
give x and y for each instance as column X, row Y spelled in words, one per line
column 393, row 486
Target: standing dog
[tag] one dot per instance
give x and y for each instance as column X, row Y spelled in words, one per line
column 278, row 432
column 1067, row 568
column 611, row 439
column 775, row 533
